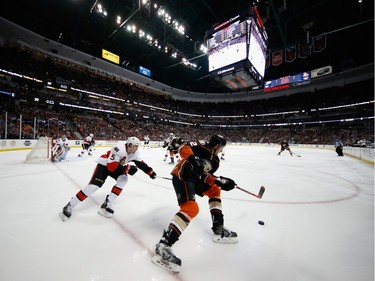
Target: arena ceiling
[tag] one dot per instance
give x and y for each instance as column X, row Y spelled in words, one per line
column 78, row 24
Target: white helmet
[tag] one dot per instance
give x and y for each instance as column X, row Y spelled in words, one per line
column 91, row 135
column 133, row 141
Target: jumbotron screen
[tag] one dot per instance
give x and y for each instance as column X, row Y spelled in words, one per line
column 237, row 51
column 257, row 48
column 227, row 46
column 235, row 41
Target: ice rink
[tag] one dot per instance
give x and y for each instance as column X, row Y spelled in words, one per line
column 318, row 211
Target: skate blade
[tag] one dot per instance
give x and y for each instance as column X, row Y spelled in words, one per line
column 63, row 217
column 165, row 264
column 105, row 214
column 225, row 240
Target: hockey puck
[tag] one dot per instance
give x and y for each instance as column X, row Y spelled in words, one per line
column 261, row 222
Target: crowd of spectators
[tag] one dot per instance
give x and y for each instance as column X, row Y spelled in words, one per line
column 114, row 109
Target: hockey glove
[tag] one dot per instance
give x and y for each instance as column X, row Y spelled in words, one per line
column 225, row 183
column 197, row 164
column 130, row 169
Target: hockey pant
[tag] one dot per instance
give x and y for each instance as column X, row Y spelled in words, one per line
column 190, row 209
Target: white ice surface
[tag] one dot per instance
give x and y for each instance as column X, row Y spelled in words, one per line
column 318, row 211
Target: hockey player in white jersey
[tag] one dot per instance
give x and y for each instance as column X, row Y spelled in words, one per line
column 87, row 145
column 170, row 151
column 119, row 162
column 60, row 149
column 146, row 142
column 167, row 141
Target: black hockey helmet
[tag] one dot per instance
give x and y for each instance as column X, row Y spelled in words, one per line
column 176, row 142
column 217, row 139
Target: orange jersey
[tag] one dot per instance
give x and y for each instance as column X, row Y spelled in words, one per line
column 183, row 169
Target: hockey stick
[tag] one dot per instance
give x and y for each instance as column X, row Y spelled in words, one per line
column 259, row 195
column 164, row 178
column 296, row 154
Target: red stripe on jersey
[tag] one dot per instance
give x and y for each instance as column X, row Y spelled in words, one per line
column 112, row 166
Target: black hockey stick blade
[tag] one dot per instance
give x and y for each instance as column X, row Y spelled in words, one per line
column 297, row 155
column 261, row 192
column 259, row 195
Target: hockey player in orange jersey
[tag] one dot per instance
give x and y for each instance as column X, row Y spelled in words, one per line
column 193, row 175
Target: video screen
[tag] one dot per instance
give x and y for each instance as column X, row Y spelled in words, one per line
column 227, row 46
column 257, row 49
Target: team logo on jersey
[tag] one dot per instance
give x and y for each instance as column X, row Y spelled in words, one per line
column 207, row 166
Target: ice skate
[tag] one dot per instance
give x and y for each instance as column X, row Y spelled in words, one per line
column 165, row 258
column 105, row 210
column 66, row 212
column 224, row 235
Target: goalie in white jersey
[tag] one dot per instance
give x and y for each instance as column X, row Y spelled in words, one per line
column 60, row 149
column 116, row 164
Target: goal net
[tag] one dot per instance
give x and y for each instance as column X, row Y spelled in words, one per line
column 41, row 151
